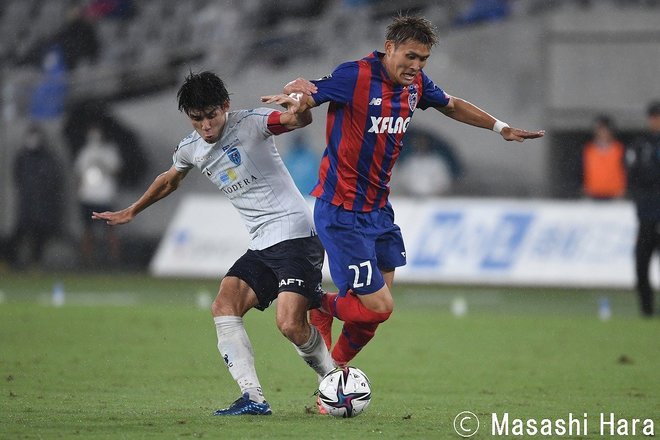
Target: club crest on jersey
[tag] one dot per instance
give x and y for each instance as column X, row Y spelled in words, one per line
column 412, row 97
column 234, row 155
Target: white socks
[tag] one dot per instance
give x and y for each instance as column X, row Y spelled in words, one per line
column 236, row 350
column 316, row 354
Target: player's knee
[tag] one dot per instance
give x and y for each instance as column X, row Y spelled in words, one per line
column 387, row 307
column 293, row 330
column 380, row 317
column 378, row 313
column 219, row 308
column 227, row 305
column 383, row 304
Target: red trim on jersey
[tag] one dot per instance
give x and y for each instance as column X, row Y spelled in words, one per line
column 404, row 113
column 325, row 160
column 379, row 152
column 274, row 123
column 350, row 146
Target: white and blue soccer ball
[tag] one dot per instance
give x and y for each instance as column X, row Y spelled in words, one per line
column 345, row 392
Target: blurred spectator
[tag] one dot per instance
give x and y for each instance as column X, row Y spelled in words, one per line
column 97, row 168
column 302, row 161
column 484, row 10
column 643, row 163
column 77, row 39
column 39, row 181
column 604, row 174
column 50, row 94
column 83, row 115
column 428, row 165
column 271, row 13
column 100, row 9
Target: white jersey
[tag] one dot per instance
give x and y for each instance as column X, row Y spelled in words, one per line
column 248, row 169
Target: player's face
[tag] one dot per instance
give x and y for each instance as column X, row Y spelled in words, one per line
column 209, row 122
column 403, row 62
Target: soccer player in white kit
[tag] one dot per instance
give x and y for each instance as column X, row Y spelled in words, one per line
column 237, row 152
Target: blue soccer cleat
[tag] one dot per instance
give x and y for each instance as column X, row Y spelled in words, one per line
column 244, row 406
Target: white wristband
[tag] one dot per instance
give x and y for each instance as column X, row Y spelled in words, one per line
column 499, row 125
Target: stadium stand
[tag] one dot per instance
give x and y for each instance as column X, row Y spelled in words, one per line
column 143, row 53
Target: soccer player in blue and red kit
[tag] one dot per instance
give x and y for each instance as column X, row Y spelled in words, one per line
column 371, row 104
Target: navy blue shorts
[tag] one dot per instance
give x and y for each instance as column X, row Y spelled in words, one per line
column 289, row 266
column 359, row 245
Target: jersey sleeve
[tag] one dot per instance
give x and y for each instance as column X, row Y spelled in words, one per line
column 181, row 159
column 338, row 86
column 274, row 124
column 262, row 121
column 432, row 95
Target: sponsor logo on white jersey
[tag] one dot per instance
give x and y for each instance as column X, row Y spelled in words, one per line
column 241, row 185
column 389, row 124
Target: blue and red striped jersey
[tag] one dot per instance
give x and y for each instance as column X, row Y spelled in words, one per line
column 367, row 117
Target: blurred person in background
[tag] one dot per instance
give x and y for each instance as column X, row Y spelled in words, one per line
column 97, row 168
column 302, row 161
column 236, row 150
column 82, row 115
column 643, row 164
column 39, row 181
column 371, row 103
column 77, row 39
column 604, row 173
column 109, row 9
column 50, row 94
column 427, row 167
column 481, row 11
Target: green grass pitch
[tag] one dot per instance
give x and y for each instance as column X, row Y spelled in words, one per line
column 135, row 357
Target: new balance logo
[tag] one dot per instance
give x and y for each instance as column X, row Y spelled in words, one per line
column 389, row 124
column 375, row 101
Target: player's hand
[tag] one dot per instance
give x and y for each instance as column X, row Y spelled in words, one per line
column 291, row 102
column 300, row 85
column 113, row 218
column 519, row 135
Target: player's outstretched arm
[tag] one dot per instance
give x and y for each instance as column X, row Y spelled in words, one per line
column 300, row 85
column 297, row 114
column 164, row 184
column 303, row 86
column 468, row 113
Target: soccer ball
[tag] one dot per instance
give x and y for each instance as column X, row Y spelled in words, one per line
column 345, row 392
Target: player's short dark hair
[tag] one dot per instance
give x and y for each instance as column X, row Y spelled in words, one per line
column 202, row 90
column 408, row 27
